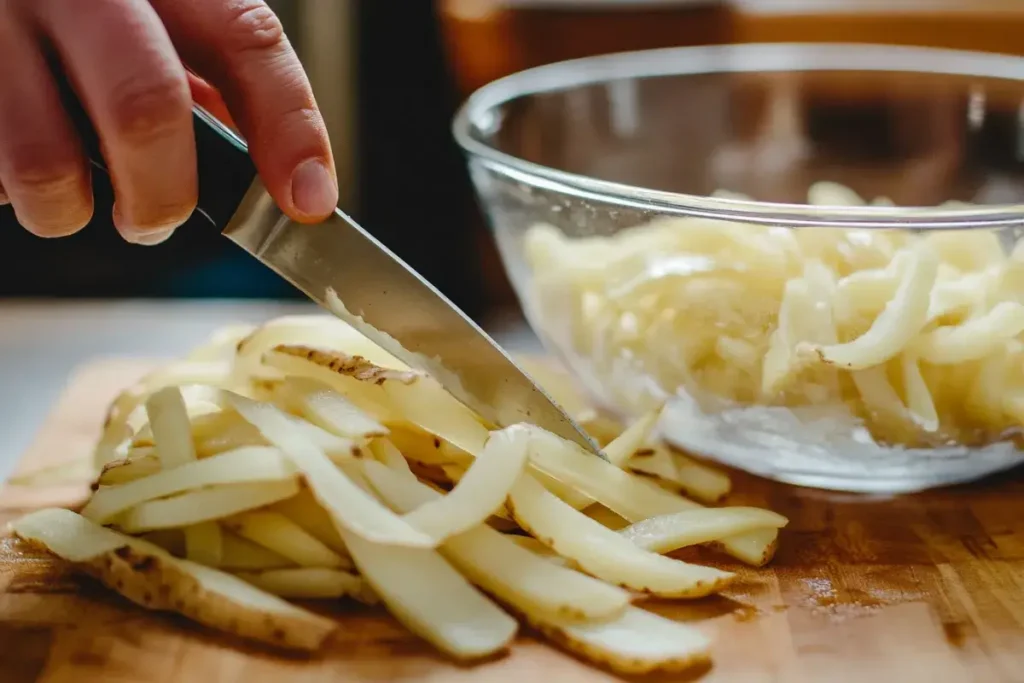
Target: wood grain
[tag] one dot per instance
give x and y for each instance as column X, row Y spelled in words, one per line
column 917, row 588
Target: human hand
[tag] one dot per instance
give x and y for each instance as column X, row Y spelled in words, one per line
column 126, row 60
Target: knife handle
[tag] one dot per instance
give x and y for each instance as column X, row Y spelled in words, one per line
column 226, row 170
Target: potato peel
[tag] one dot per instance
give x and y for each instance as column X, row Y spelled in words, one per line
column 151, row 578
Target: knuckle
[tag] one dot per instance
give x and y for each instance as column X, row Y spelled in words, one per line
column 39, row 171
column 253, row 26
column 150, row 107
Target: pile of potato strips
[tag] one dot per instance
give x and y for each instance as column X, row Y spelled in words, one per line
column 298, row 461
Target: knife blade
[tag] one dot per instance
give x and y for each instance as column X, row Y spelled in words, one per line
column 347, row 271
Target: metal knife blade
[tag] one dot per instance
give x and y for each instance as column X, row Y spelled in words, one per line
column 343, row 268
column 346, row 270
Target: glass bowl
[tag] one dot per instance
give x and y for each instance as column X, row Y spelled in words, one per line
column 686, row 226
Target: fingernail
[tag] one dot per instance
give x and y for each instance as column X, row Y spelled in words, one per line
column 314, row 190
column 148, row 238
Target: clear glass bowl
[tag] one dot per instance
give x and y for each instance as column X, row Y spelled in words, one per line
column 896, row 363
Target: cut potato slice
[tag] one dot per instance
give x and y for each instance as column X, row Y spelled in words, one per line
column 328, row 409
column 353, row 377
column 630, row 441
column 432, row 599
column 349, row 505
column 411, row 398
column 604, row 553
column 700, row 525
column 204, row 543
column 142, row 462
column 630, row 496
column 499, row 566
column 152, row 578
column 204, row 505
column 311, row 583
column 320, row 331
column 239, row 554
column 116, row 430
column 681, row 473
column 253, row 464
column 172, row 433
column 274, row 531
column 638, row 642
column 304, row 510
column 480, row 491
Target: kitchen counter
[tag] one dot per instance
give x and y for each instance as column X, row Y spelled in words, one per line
column 42, row 343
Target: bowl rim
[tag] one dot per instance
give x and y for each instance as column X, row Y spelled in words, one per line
column 477, row 113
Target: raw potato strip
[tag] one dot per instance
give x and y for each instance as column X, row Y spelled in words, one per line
column 780, row 361
column 352, row 376
column 204, row 543
column 480, row 491
column 116, row 430
column 920, row 404
column 253, row 464
column 311, row 583
column 896, row 326
column 432, row 599
column 495, row 562
column 238, row 554
column 974, row 339
column 681, row 473
column 428, row 406
column 204, row 505
column 141, row 462
column 603, row 553
column 635, row 436
column 328, row 409
column 413, row 398
column 150, row 577
column 348, row 504
column 274, row 531
column 304, row 510
column 700, row 525
column 638, row 642
column 632, row 497
column 321, row 331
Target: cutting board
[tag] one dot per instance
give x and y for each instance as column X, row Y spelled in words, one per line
column 919, row 588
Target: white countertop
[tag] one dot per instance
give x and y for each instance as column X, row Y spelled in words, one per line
column 42, row 343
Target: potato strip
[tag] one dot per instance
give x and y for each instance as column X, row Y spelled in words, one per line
column 499, row 566
column 701, row 525
column 204, row 505
column 148, row 576
column 604, row 553
column 432, row 599
column 348, row 504
column 480, row 491
column 253, row 464
column 636, row 643
column 274, row 531
column 311, row 583
column 172, row 433
column 898, row 323
column 974, row 339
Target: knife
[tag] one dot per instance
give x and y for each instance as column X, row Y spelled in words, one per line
column 346, row 270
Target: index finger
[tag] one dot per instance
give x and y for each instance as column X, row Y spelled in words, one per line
column 241, row 49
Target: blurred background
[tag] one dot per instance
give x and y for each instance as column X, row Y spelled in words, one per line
column 389, row 76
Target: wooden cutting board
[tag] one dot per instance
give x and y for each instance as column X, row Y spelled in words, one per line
column 918, row 588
